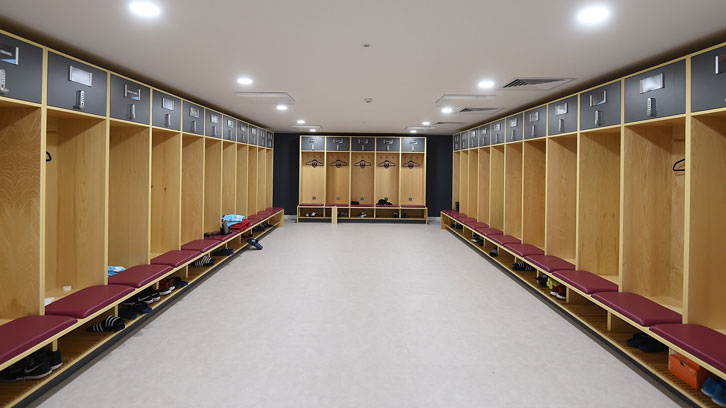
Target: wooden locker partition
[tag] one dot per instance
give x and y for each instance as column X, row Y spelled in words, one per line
column 312, row 173
column 242, row 181
column 513, row 189
column 212, row 184
column 483, row 185
column 361, row 179
column 252, row 180
column 456, row 183
column 387, row 178
column 473, row 206
column 496, row 183
column 464, row 182
column 561, row 197
column 165, row 191
column 192, row 199
column 229, row 178
column 533, row 192
column 337, row 188
column 413, row 179
column 268, row 177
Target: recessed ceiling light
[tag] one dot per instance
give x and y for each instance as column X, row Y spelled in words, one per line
column 447, row 110
column 593, row 15
column 281, row 107
column 145, row 8
column 301, row 121
column 366, row 45
column 245, row 81
column 413, row 131
column 486, row 84
column 313, row 130
column 426, row 123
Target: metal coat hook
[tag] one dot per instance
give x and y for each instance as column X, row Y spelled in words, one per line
column 48, row 157
column 411, row 164
column 386, row 164
column 339, row 163
column 362, row 164
column 314, row 163
column 677, row 163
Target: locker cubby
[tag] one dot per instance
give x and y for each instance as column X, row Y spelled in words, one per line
column 192, row 199
column 706, row 173
column 456, row 172
column 357, row 212
column 242, row 151
column 513, row 190
column 413, row 177
column 653, row 212
column 212, row 184
column 268, row 175
column 338, row 178
column 483, row 186
column 361, row 178
column 252, row 179
column 75, row 203
column 599, row 197
column 388, row 213
column 413, row 213
column 312, row 178
column 534, row 156
column 387, row 177
column 261, row 178
column 229, row 178
column 496, row 183
column 165, row 191
column 464, row 182
column 129, row 195
column 473, row 182
column 21, row 166
column 561, row 197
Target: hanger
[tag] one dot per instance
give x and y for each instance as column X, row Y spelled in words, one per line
column 362, row 164
column 314, row 163
column 386, row 164
column 48, row 157
column 676, row 164
column 339, row 163
column 411, row 164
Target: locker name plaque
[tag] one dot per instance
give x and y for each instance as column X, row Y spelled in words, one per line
column 513, row 122
column 534, row 117
column 561, row 109
column 599, row 98
column 134, row 94
column 652, row 83
column 9, row 54
column 214, row 118
column 80, row 76
column 167, row 103
column 720, row 64
column 194, row 111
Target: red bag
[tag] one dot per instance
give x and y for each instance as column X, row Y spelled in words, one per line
column 241, row 225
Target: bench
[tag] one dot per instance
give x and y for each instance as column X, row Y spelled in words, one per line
column 700, row 341
column 549, row 263
column 22, row 334
column 201, row 245
column 586, row 282
column 176, row 258
column 140, row 275
column 637, row 308
column 523, row 250
column 88, row 301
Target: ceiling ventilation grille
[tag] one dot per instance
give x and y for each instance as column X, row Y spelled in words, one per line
column 535, row 84
column 450, row 123
column 468, row 110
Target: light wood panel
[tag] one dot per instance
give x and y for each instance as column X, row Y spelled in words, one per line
column 129, row 196
column 261, row 179
column 192, row 200
column 212, row 185
column 21, row 165
column 513, row 190
column 456, row 184
column 361, row 178
column 473, row 183
column 229, row 178
column 386, row 182
column 599, row 202
column 242, row 179
column 653, row 212
column 561, row 197
column 464, row 182
column 75, row 203
column 165, row 191
column 483, row 186
column 706, row 172
column 252, row 180
column 269, row 178
column 413, row 190
column 533, row 195
column 337, row 188
column 313, row 178
column 496, row 182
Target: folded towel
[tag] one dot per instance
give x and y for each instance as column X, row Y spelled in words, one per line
column 114, row 270
column 233, row 218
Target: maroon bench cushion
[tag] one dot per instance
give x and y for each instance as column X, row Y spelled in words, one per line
column 703, row 342
column 264, row 214
column 224, row 237
column 524, row 249
column 310, row 205
column 175, row 258
column 201, row 245
column 585, row 281
column 460, row 216
column 479, row 225
column 274, row 209
column 488, row 232
column 386, row 205
column 468, row 221
column 637, row 308
column 412, row 206
column 88, row 301
column 327, row 205
column 504, row 239
column 361, row 205
column 139, row 275
column 26, row 332
column 550, row 263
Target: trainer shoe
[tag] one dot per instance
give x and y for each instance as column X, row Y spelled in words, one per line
column 33, row 367
column 165, row 286
column 561, row 292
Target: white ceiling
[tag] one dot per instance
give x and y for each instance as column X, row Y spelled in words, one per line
column 312, row 50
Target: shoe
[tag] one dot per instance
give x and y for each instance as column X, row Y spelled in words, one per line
column 522, row 266
column 33, row 367
column 453, row 225
column 561, row 292
column 459, row 227
column 719, row 396
column 144, row 296
column 149, row 296
column 314, row 214
column 223, row 252
column 395, row 215
column 494, row 253
column 638, row 339
column 474, row 238
column 254, row 243
column 109, row 324
column 363, row 215
column 711, row 385
column 654, row 346
column 165, row 287
column 178, row 282
column 206, row 260
column 542, row 281
column 141, row 308
column 257, row 229
column 53, row 357
column 127, row 313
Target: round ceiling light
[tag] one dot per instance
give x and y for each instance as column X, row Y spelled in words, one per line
column 593, row 15
column 144, row 9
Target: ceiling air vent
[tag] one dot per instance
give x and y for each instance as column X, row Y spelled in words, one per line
column 479, row 110
column 450, row 123
column 535, row 84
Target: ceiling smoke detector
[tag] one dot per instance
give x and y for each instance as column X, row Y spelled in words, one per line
column 368, row 100
column 366, row 45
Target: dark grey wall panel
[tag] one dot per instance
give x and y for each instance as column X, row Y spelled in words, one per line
column 166, row 111
column 708, row 80
column 464, row 140
column 253, row 135
column 193, row 118
column 473, row 138
column 535, row 123
column 600, row 107
column 270, row 139
column 313, row 143
column 668, row 100
column 457, row 142
column 413, row 144
column 64, row 93
column 242, row 130
column 129, row 100
column 562, row 116
column 22, row 64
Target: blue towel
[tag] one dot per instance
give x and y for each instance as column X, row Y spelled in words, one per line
column 114, row 270
column 233, row 218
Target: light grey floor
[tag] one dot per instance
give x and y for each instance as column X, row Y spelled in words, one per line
column 359, row 315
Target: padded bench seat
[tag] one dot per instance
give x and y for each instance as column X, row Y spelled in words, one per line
column 201, row 245
column 637, row 308
column 274, row 209
column 310, row 205
column 488, row 232
column 479, row 225
column 702, row 342
column 413, row 206
column 223, row 237
column 362, row 205
column 88, row 301
column 586, row 282
column 139, row 275
column 468, row 221
column 27, row 332
column 550, row 263
column 176, row 258
column 387, row 205
column 504, row 239
column 524, row 249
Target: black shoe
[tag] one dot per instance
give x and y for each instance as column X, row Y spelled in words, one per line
column 541, row 281
column 127, row 313
column 638, row 339
column 53, row 357
column 33, row 367
column 522, row 266
column 494, row 253
column 459, row 226
column 223, row 252
column 254, row 243
column 109, row 324
column 178, row 282
column 653, row 346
